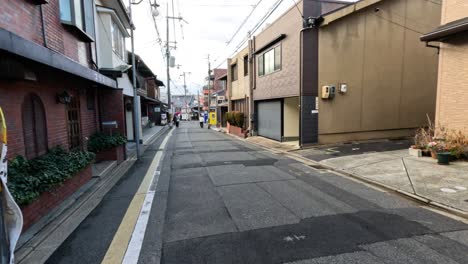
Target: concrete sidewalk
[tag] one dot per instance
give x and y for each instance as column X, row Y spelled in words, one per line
column 423, row 177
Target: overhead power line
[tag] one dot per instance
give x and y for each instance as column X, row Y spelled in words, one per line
column 260, row 22
column 243, row 22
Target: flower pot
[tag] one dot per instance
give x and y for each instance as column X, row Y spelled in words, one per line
column 434, row 154
column 443, row 158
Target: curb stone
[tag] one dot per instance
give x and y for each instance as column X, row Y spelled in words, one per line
column 43, row 244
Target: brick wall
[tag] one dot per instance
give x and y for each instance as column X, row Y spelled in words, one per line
column 217, row 74
column 112, row 108
column 23, row 18
column 452, row 93
column 49, row 200
column 47, row 87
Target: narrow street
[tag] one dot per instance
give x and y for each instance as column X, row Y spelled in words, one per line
column 229, row 202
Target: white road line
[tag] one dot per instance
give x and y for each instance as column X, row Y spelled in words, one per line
column 136, row 242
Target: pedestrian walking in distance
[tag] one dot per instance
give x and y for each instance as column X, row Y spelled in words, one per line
column 176, row 120
column 201, row 119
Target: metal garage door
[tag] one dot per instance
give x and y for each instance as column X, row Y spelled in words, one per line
column 269, row 119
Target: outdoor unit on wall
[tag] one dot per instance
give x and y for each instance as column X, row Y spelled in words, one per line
column 328, row 91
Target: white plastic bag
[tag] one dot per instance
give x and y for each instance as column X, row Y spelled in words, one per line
column 13, row 216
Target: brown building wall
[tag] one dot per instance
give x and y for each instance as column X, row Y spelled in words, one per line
column 391, row 75
column 23, row 18
column 49, row 84
column 285, row 82
column 452, row 94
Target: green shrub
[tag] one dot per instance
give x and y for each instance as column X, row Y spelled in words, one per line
column 27, row 179
column 101, row 142
column 235, row 118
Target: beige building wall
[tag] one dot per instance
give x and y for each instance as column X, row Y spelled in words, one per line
column 452, row 94
column 391, row 75
column 240, row 88
column 285, row 82
column 291, row 118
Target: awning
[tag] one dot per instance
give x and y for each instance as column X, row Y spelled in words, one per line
column 116, row 72
column 151, row 100
column 19, row 46
column 159, row 83
column 446, row 31
column 269, row 44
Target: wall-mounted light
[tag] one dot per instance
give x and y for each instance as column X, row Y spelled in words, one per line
column 64, row 98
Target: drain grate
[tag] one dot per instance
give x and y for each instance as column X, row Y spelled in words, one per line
column 318, row 167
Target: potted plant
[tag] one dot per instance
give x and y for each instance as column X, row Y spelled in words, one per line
column 433, row 147
column 441, row 153
column 443, row 158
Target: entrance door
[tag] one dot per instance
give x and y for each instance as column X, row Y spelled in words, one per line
column 269, row 119
column 73, row 120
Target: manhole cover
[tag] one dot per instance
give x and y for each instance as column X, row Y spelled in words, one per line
column 318, row 167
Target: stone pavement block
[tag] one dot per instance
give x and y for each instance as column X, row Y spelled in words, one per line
column 379, row 198
column 459, row 236
column 208, row 145
column 348, row 162
column 406, row 250
column 236, row 174
column 195, row 209
column 429, row 178
column 391, row 172
column 446, row 246
column 433, row 221
column 359, row 257
column 226, row 156
column 185, row 160
column 304, row 200
column 253, row 208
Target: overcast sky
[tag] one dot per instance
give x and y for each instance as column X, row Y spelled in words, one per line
column 211, row 24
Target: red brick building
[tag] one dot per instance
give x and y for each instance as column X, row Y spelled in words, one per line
column 50, row 89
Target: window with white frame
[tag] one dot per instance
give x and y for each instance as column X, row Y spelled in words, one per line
column 118, row 41
column 270, row 61
column 80, row 14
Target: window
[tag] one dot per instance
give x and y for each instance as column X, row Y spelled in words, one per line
column 34, row 127
column 118, row 42
column 246, row 65
column 269, row 61
column 73, row 123
column 234, row 72
column 222, row 84
column 80, row 14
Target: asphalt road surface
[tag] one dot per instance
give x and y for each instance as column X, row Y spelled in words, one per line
column 221, row 200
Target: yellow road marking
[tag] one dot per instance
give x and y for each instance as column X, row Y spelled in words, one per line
column 116, row 251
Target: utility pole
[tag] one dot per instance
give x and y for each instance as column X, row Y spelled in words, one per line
column 136, row 107
column 168, row 56
column 185, row 92
column 209, row 90
column 199, row 113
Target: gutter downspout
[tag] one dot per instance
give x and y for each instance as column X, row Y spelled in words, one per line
column 252, row 84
